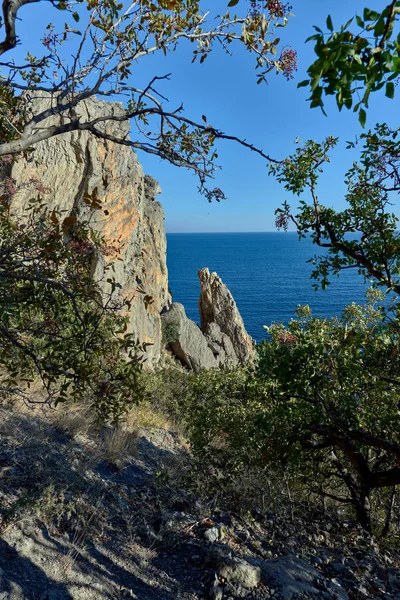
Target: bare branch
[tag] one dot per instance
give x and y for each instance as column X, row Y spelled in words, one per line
column 10, row 10
column 30, row 138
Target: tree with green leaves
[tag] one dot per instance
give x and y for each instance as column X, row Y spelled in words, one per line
column 333, row 388
column 364, row 236
column 359, row 58
column 320, row 407
column 336, row 383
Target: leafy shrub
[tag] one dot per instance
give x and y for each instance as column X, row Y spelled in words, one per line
column 333, row 397
column 224, row 413
column 170, row 332
column 321, row 406
column 56, row 327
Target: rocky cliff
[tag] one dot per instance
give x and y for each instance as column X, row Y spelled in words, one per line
column 220, row 318
column 76, row 166
column 222, row 339
column 98, row 180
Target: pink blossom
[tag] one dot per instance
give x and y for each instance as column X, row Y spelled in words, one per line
column 11, row 187
column 288, row 62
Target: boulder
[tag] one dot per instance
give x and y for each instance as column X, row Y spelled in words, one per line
column 186, row 340
column 217, row 307
column 294, row 578
column 234, row 569
column 288, row 575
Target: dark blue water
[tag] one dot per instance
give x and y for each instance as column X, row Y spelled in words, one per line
column 267, row 274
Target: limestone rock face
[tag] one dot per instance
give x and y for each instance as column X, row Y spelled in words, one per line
column 78, row 165
column 221, row 345
column 222, row 339
column 217, row 307
column 186, row 340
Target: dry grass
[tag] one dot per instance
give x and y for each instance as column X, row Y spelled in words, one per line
column 117, row 445
column 145, row 416
column 74, row 419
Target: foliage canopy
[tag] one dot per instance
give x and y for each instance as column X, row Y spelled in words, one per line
column 363, row 236
column 360, row 58
column 321, row 404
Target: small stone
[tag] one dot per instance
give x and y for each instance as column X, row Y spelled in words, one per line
column 216, row 591
column 212, row 534
column 362, row 591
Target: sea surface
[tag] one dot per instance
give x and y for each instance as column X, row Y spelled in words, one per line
column 267, row 274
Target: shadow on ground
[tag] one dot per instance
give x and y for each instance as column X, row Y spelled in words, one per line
column 74, row 526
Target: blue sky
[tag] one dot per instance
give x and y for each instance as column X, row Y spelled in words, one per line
column 269, row 116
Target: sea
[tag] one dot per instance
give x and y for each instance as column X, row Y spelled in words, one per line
column 267, row 274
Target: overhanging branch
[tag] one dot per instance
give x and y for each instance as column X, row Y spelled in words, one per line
column 10, row 10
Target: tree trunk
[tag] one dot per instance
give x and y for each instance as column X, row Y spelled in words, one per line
column 388, row 519
column 363, row 508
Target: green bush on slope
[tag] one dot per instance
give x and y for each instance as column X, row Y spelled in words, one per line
column 322, row 402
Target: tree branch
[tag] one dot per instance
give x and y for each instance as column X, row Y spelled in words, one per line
column 361, row 260
column 30, row 138
column 51, row 282
column 10, row 10
column 391, row 7
column 37, row 361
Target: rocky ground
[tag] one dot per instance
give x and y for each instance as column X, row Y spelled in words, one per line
column 79, row 522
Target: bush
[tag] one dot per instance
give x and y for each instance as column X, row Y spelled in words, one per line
column 56, row 328
column 321, row 406
column 223, row 414
column 332, row 387
column 170, row 332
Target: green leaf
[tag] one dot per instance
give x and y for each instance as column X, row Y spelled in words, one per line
column 329, row 23
column 362, row 117
column 315, row 81
column 75, row 16
column 348, row 102
column 303, row 83
column 233, row 2
column 370, row 15
column 379, row 27
column 347, row 24
column 359, row 22
column 389, row 89
column 316, row 36
column 315, row 102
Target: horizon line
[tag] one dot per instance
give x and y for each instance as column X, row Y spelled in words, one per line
column 220, row 232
